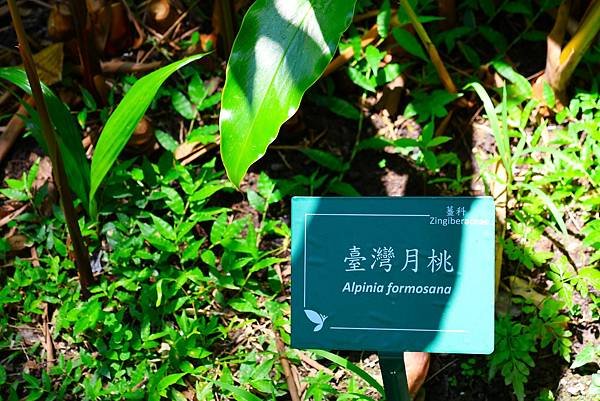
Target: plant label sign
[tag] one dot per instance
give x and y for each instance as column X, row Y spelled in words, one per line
column 393, row 274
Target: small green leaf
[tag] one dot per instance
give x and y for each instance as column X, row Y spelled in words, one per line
column 88, row 99
column 429, row 159
column 238, row 393
column 549, row 95
column 256, row 201
column 196, row 90
column 168, row 381
column 361, row 80
column 438, row 140
column 390, row 72
column 32, row 174
column 15, row 194
column 163, row 228
column 209, row 102
column 373, row 57
column 182, row 105
column 374, row 142
column 383, row 19
column 495, row 38
column 488, row 7
column 409, row 43
column 405, row 143
column 205, row 134
column 166, row 140
column 588, row 354
column 522, row 86
column 339, row 106
column 198, row 353
column 591, row 276
column 174, row 200
column 470, row 54
column 427, row 133
column 208, row 190
column 325, row 159
column 159, row 293
column 342, row 188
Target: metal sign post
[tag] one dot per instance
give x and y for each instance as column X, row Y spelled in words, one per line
column 394, row 377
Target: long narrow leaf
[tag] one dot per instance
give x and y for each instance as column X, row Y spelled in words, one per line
column 238, row 393
column 124, row 119
column 500, row 135
column 550, row 205
column 346, row 364
column 282, row 48
column 67, row 132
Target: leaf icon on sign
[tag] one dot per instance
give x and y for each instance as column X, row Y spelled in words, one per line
column 316, row 318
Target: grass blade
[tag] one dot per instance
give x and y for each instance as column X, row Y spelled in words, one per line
column 124, row 119
column 500, row 134
column 550, row 205
column 238, row 393
column 346, row 364
column 67, row 133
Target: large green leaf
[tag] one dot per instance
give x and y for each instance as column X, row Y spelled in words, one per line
column 124, row 119
column 68, row 134
column 282, row 48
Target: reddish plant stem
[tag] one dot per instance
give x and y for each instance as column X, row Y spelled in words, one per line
column 88, row 53
column 82, row 258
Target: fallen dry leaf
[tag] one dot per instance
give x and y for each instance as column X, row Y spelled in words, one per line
column 49, row 63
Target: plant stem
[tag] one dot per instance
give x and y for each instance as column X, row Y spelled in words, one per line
column 554, row 43
column 88, row 53
column 82, row 259
column 226, row 16
column 431, row 49
column 580, row 42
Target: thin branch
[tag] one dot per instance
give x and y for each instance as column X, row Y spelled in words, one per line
column 82, row 257
column 48, row 343
column 88, row 53
column 293, row 390
column 430, row 47
column 554, row 43
column 579, row 44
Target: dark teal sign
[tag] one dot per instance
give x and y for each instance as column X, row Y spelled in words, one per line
column 393, row 274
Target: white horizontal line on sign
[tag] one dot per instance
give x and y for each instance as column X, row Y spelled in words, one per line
column 394, row 329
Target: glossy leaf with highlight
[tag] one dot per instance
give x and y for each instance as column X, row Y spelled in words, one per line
column 282, row 48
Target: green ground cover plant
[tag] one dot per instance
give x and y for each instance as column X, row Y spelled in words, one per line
column 189, row 243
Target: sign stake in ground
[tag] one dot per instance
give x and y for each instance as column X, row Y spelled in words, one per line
column 393, row 372
column 392, row 275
